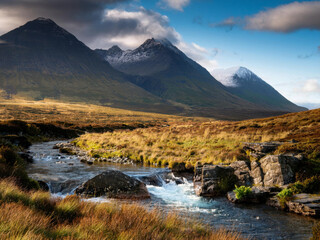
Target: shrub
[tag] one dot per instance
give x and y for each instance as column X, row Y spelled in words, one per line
column 312, row 185
column 284, row 196
column 297, row 187
column 242, row 192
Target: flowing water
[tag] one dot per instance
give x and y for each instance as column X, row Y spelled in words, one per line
column 64, row 173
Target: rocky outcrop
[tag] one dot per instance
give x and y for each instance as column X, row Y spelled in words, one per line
column 278, row 169
column 272, row 170
column 114, row 184
column 242, row 172
column 214, row 180
column 259, row 150
column 305, row 204
column 262, row 148
column 256, row 173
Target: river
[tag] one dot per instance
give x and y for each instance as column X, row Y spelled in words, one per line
column 64, row 173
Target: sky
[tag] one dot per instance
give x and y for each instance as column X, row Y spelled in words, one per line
column 279, row 40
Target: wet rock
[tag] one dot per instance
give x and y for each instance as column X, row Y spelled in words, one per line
column 26, row 157
column 215, row 180
column 278, row 169
column 274, row 202
column 114, row 184
column 242, row 171
column 154, row 180
column 17, row 140
column 43, row 185
column 170, row 177
column 305, row 204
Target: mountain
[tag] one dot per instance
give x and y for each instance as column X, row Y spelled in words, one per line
column 168, row 73
column 41, row 59
column 243, row 83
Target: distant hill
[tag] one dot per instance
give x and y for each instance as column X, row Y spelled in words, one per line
column 243, row 83
column 41, row 59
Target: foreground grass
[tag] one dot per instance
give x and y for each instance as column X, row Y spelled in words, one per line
column 34, row 215
column 209, row 141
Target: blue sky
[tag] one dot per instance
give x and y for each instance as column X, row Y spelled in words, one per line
column 277, row 40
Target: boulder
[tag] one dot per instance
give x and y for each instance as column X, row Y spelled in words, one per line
column 215, row 180
column 114, row 184
column 170, row 177
column 256, row 173
column 242, row 171
column 278, row 169
column 153, row 179
column 257, row 195
column 43, row 185
column 305, row 204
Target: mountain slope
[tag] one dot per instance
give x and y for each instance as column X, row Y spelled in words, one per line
column 41, row 59
column 242, row 82
column 168, row 73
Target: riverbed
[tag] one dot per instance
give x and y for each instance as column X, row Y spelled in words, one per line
column 64, row 173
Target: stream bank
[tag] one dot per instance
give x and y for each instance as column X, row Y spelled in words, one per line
column 64, row 173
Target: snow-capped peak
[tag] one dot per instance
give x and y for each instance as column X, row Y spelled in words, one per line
column 115, row 56
column 227, row 76
column 45, row 20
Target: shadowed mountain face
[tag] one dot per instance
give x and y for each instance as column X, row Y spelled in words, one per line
column 245, row 84
column 168, row 73
column 41, row 59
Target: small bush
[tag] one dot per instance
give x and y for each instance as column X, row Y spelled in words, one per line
column 284, row 196
column 242, row 192
column 297, row 187
column 312, row 185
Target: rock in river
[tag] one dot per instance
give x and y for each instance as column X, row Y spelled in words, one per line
column 114, row 184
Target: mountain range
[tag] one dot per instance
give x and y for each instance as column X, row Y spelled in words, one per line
column 42, row 60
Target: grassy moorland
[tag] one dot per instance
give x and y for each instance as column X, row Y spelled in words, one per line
column 208, row 141
column 28, row 213
column 35, row 215
column 75, row 114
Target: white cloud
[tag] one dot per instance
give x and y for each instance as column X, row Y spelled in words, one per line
column 287, row 18
column 311, row 86
column 152, row 24
column 145, row 24
column 174, row 4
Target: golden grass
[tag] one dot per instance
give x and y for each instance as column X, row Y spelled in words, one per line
column 207, row 141
column 21, row 217
column 51, row 111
